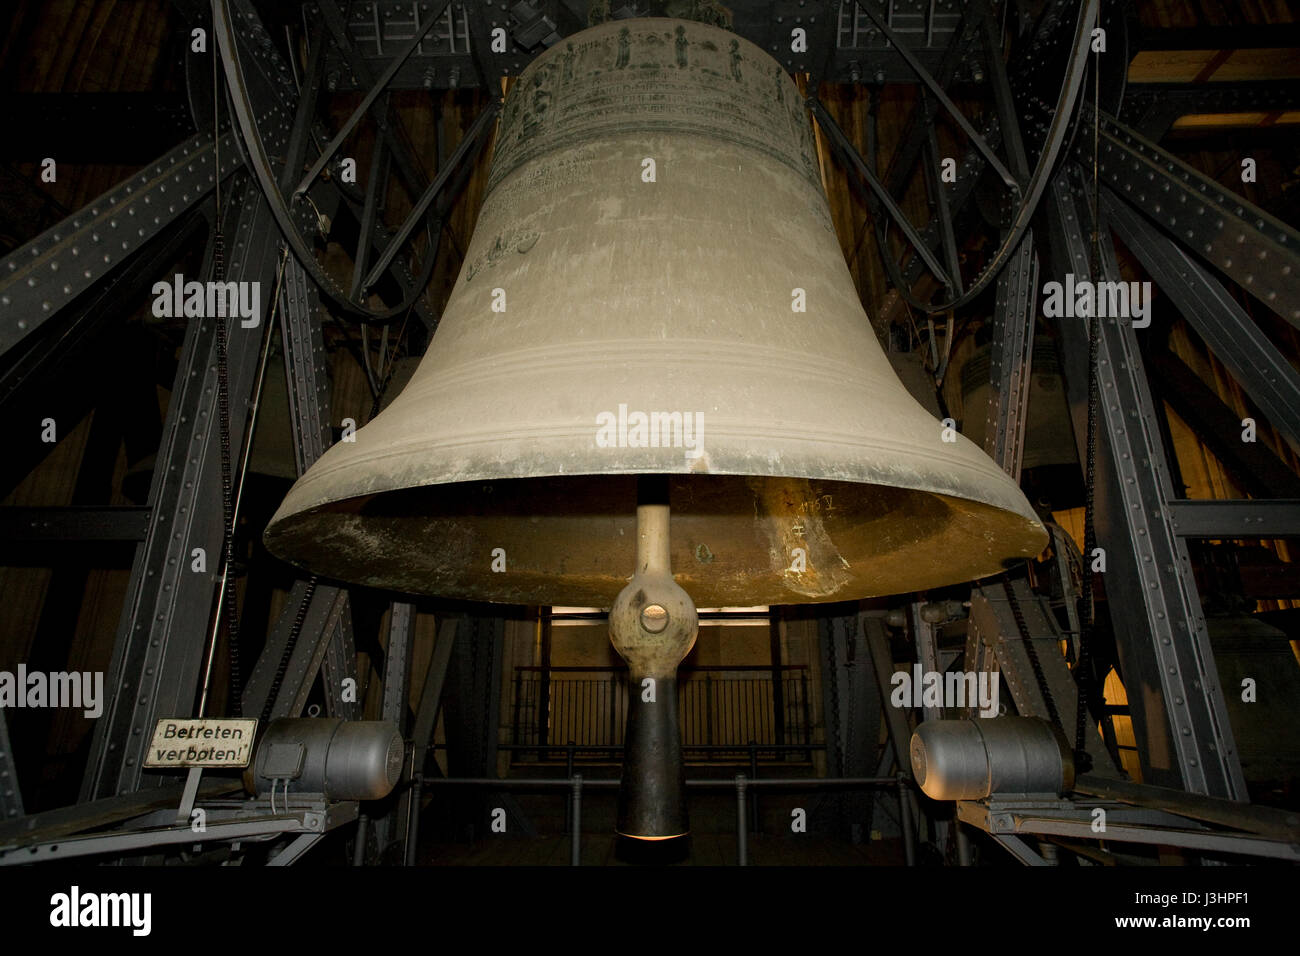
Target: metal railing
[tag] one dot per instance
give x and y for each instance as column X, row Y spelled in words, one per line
column 723, row 711
column 742, row 784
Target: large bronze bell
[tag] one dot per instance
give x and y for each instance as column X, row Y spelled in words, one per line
column 654, row 287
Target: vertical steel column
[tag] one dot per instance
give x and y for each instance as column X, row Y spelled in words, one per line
column 1011, row 358
column 900, row 734
column 542, row 717
column 1179, row 715
column 158, row 653
column 306, row 366
column 435, row 678
column 397, row 663
column 326, row 631
column 1012, row 347
column 905, row 820
column 778, row 678
column 307, row 380
column 575, row 813
column 412, row 815
column 360, row 841
column 927, row 652
column 328, row 614
column 853, row 711
column 397, row 685
column 339, row 667
column 964, row 857
column 742, row 823
column 11, row 798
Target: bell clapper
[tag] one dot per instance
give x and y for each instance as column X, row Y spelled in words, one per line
column 653, row 625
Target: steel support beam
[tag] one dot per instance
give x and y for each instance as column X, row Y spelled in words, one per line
column 1257, row 468
column 397, row 688
column 1236, row 518
column 325, row 634
column 1021, row 850
column 1011, row 358
column 1179, row 715
column 1268, row 822
column 1007, row 821
column 1152, row 108
column 294, row 851
column 257, row 824
column 399, row 143
column 306, row 366
column 304, row 114
column 969, row 170
column 921, row 117
column 896, row 722
column 158, row 653
column 90, row 127
column 937, row 90
column 327, row 618
column 74, row 524
column 339, row 667
column 992, row 631
column 853, row 162
column 397, row 663
column 47, row 273
column 469, row 143
column 925, row 634
column 1266, row 375
column 11, row 797
column 435, row 678
column 1257, row 251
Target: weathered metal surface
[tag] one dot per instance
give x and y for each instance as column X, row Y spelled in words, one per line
column 801, row 470
column 653, row 626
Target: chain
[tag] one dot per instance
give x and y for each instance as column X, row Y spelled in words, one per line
column 283, row 666
column 1083, row 666
column 1035, row 664
column 830, row 674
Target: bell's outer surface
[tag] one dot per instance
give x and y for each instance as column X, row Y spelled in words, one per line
column 656, row 293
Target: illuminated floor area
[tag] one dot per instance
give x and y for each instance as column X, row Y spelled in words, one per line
column 706, row 849
column 537, row 830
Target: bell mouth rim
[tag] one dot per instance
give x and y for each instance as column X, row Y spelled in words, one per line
column 652, row 839
column 978, row 482
column 570, row 540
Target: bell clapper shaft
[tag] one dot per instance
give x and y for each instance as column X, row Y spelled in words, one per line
column 653, row 625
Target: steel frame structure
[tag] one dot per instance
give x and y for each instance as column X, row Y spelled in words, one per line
column 1176, row 220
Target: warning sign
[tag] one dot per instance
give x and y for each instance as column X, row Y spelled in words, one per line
column 201, row 742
